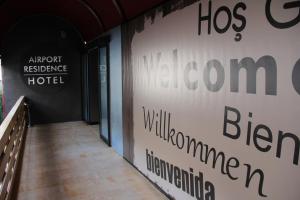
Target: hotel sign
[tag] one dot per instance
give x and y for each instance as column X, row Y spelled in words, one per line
column 44, row 71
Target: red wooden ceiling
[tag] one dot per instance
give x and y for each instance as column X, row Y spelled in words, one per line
column 90, row 17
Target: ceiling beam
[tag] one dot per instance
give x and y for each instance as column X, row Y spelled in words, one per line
column 120, row 9
column 94, row 13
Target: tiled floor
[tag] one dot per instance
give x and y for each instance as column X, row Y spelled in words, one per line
column 69, row 161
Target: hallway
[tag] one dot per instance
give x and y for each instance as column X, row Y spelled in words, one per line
column 69, row 161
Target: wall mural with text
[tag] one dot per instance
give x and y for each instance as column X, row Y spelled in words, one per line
column 216, row 92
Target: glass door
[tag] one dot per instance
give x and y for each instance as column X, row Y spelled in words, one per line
column 104, row 97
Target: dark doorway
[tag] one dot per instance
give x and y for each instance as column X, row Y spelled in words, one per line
column 93, row 63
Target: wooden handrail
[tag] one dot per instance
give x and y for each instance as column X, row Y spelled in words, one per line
column 12, row 132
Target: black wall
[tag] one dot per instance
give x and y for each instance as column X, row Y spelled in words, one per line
column 43, row 36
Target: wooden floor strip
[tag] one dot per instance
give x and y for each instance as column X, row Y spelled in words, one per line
column 69, row 161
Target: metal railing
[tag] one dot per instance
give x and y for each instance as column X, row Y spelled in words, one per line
column 12, row 135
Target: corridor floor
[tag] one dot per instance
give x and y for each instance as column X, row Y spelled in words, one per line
column 69, row 161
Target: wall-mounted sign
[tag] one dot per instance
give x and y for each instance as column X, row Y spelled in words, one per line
column 45, row 71
column 45, row 67
column 216, row 89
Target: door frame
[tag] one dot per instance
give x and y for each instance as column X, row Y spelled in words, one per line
column 98, row 43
